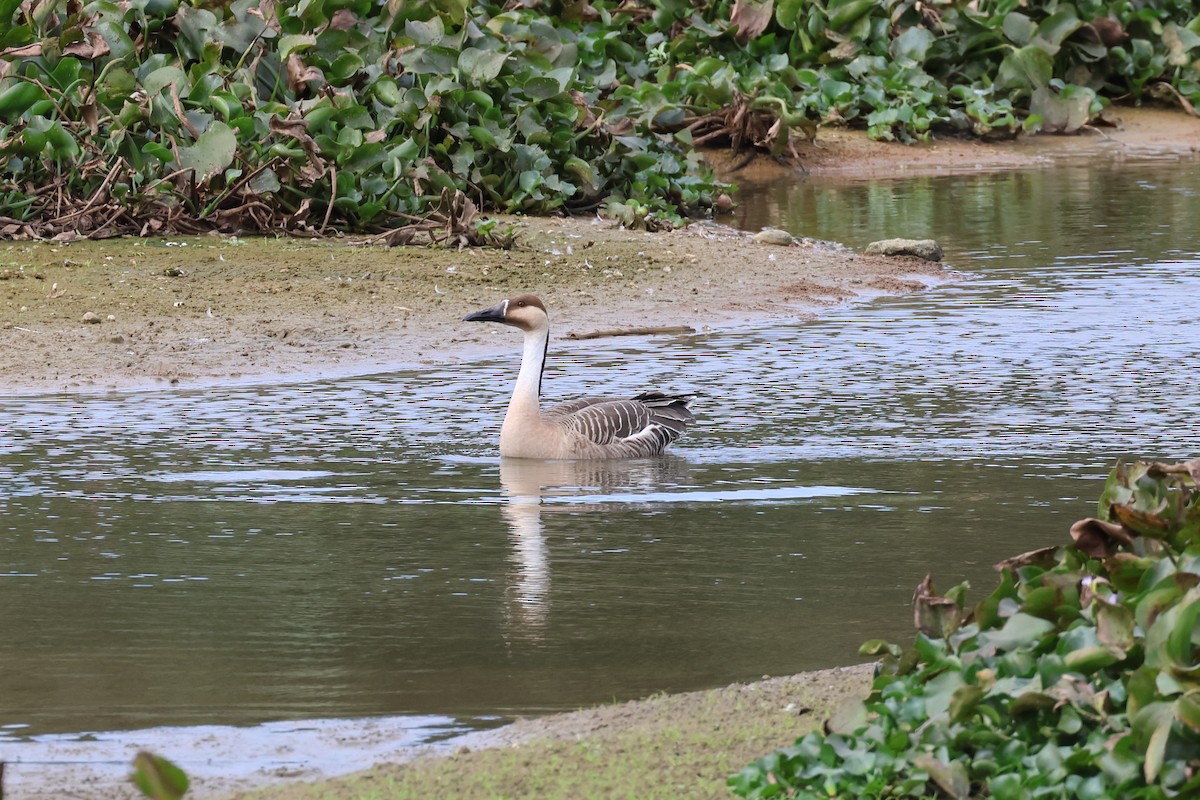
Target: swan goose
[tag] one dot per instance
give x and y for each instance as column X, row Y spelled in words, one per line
column 588, row 428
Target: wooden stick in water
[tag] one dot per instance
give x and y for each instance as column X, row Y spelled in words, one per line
column 640, row 331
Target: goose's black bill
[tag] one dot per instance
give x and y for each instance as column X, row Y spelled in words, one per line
column 493, row 314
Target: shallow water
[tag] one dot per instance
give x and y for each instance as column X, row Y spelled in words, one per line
column 354, row 547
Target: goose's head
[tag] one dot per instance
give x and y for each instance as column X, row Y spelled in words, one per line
column 523, row 311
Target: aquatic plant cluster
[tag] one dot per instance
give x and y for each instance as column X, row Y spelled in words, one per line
column 1078, row 677
column 253, row 115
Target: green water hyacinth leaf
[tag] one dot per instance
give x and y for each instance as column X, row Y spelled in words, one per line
column 911, row 47
column 481, row 66
column 430, row 60
column 964, row 702
column 1027, row 68
column 1019, row 28
column 18, row 97
column 265, row 182
column 1056, row 28
column 158, row 778
column 585, row 82
column 1020, row 630
column 1183, row 640
column 160, row 79
column 295, row 43
column 849, row 717
column 1085, row 702
column 1187, row 710
column 8, row 8
column 1152, row 726
column 211, row 153
column 425, row 32
column 540, row 88
column 788, row 12
column 1090, row 659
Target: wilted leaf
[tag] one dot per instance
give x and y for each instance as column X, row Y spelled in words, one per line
column 1029, row 702
column 300, row 74
column 1099, row 539
column 849, row 717
column 1140, row 522
column 1061, row 112
column 751, row 18
column 25, row 51
column 1042, row 557
column 89, row 49
column 952, row 778
column 1114, row 625
column 1179, row 43
column 934, row 616
column 429, row 32
column 964, row 701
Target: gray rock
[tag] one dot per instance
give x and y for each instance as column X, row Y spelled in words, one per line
column 91, row 318
column 774, row 236
column 927, row 249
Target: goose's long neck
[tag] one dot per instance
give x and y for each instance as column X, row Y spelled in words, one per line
column 528, row 390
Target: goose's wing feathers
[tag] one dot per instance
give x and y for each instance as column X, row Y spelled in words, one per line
column 652, row 417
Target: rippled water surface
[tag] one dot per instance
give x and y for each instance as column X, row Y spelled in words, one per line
column 346, row 548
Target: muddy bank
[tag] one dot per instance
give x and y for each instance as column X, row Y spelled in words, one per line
column 1131, row 134
column 669, row 746
column 682, row 745
column 124, row 314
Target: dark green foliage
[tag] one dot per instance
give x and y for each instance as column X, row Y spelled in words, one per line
column 364, row 114
column 358, row 115
column 1078, row 677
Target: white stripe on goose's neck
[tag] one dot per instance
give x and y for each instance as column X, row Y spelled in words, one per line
column 533, row 362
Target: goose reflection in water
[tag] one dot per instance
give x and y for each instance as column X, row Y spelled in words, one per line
column 532, row 487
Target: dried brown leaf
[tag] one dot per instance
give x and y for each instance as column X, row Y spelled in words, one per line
column 1042, row 557
column 300, row 75
column 92, row 48
column 1098, row 538
column 934, row 615
column 25, row 51
column 751, row 18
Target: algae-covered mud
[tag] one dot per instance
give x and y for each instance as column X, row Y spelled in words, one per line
column 669, row 746
column 132, row 313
